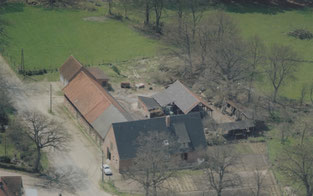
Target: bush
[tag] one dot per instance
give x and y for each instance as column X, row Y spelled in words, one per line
column 5, row 159
column 116, row 70
column 301, row 34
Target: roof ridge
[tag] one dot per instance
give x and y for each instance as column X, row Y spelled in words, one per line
column 75, row 60
column 108, row 96
column 195, row 95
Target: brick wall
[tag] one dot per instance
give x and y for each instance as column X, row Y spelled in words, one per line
column 110, row 143
column 82, row 122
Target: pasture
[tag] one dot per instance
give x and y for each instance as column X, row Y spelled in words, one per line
column 49, row 36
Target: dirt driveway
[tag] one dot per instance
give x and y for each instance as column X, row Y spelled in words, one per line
column 82, row 156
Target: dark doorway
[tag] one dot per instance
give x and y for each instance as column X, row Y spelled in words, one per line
column 108, row 154
column 184, row 156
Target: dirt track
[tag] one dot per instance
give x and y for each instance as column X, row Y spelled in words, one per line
column 83, row 155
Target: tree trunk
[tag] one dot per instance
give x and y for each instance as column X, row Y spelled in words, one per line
column 154, row 190
column 37, row 164
column 275, row 94
column 110, row 7
column 250, row 88
column 157, row 24
column 180, row 15
column 147, row 13
column 146, row 191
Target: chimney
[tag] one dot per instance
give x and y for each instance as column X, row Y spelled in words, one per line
column 168, row 121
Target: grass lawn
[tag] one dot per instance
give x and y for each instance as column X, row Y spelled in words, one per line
column 273, row 29
column 48, row 37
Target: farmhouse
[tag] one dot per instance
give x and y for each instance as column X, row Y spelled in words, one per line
column 72, row 67
column 11, row 186
column 176, row 99
column 120, row 144
column 93, row 106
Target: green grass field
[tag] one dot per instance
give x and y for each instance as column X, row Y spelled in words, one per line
column 48, row 37
column 273, row 29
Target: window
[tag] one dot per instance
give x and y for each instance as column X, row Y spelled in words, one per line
column 165, row 143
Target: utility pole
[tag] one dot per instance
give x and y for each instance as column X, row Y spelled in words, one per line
column 102, row 170
column 22, row 62
column 50, row 97
column 5, row 144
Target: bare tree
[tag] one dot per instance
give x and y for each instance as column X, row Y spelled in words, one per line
column 258, row 183
column 228, row 67
column 303, row 94
column 196, row 11
column 311, row 93
column 282, row 64
column 153, row 162
column 158, row 6
column 3, row 33
column 256, row 57
column 44, row 133
column 125, row 4
column 295, row 161
column 185, row 48
column 5, row 104
column 110, row 4
column 217, row 168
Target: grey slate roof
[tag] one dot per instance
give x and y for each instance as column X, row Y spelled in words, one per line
column 103, row 123
column 181, row 132
column 126, row 133
column 238, row 125
column 178, row 94
column 149, row 102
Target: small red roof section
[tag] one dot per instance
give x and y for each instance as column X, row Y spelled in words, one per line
column 11, row 185
column 89, row 97
column 70, row 68
column 97, row 73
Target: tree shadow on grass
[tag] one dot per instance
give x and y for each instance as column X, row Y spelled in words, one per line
column 258, row 6
column 11, row 8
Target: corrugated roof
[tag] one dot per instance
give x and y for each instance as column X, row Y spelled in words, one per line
column 181, row 96
column 70, row 68
column 126, row 133
column 149, row 102
column 91, row 99
column 97, row 73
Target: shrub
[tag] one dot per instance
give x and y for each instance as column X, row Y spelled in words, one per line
column 5, row 159
column 301, row 34
column 116, row 70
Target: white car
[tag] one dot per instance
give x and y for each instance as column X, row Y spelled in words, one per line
column 106, row 169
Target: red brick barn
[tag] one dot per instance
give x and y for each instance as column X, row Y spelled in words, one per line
column 93, row 106
column 69, row 69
